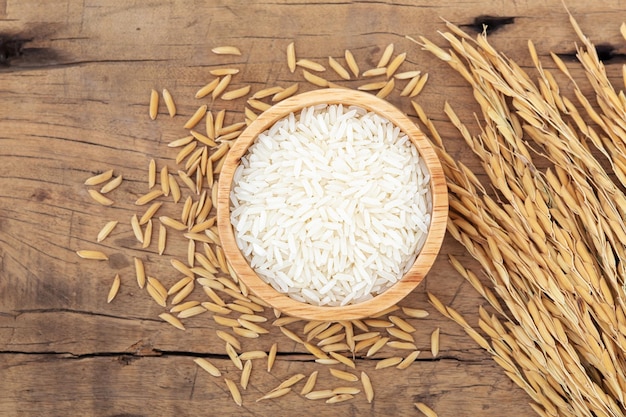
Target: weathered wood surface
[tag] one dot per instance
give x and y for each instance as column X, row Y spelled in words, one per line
column 74, row 103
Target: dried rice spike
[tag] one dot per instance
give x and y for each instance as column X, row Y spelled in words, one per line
column 99, row 178
column 287, row 92
column 426, row 410
column 275, row 394
column 156, row 295
column 228, row 338
column 400, row 334
column 374, row 72
column 224, row 71
column 196, row 117
column 226, row 50
column 410, row 358
column 258, row 105
column 388, row 362
column 207, row 89
column 232, row 354
column 182, row 294
column 235, row 94
column 253, row 354
column 172, row 320
column 434, row 342
column 99, row 198
column 343, row 359
column 147, row 235
column 386, row 56
column 395, row 64
column 291, row 335
column 245, row 374
column 180, row 142
column 367, row 387
column 338, row 68
column 191, row 312
column 339, row 398
column 387, row 89
column 320, row 395
column 134, row 222
column 140, row 272
column 402, row 345
column 114, row 288
column 377, row 346
column 419, row 86
column 234, row 391
column 314, row 79
column 146, row 198
column 184, row 306
column 271, row 357
column 169, row 102
column 372, row 86
column 407, row 75
column 111, row 185
column 247, row 333
column 409, row 87
column 310, row 383
column 354, row 67
column 174, row 188
column 343, row 375
column 415, row 312
column 208, row 366
column 106, row 230
column 153, row 108
column 149, row 213
column 221, row 86
column 308, row 64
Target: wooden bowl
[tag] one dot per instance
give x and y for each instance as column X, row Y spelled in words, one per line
column 427, row 254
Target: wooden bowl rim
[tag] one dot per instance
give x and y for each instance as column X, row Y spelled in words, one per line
column 424, row 260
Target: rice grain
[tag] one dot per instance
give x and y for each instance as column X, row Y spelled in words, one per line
column 275, row 394
column 426, row 410
column 232, row 354
column 410, row 358
column 147, row 235
column 99, row 198
column 221, row 86
column 92, row 254
column 352, row 64
column 245, row 374
column 111, row 185
column 196, row 117
column 308, row 64
column 154, row 104
column 148, row 197
column 367, row 387
column 388, row 362
column 234, row 391
column 169, row 102
column 343, row 375
column 134, row 222
column 339, row 398
column 338, row 68
column 207, row 89
column 434, row 342
column 172, row 320
column 115, row 287
column 208, row 367
column 310, row 383
column 386, row 56
column 395, row 64
column 99, row 178
column 226, row 50
column 320, row 395
column 106, row 230
column 224, row 71
column 287, row 92
column 314, row 79
column 234, row 94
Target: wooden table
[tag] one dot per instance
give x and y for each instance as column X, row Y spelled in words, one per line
column 73, row 102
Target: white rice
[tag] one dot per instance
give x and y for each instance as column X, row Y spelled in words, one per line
column 331, row 206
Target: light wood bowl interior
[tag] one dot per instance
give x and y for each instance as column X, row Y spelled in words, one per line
column 426, row 256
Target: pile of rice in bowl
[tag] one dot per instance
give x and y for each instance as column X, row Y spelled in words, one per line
column 331, row 206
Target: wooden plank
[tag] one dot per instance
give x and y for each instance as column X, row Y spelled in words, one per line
column 73, row 102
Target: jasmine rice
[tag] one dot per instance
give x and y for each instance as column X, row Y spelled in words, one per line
column 332, row 205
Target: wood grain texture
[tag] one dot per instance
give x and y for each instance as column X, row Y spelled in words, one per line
column 436, row 231
column 75, row 81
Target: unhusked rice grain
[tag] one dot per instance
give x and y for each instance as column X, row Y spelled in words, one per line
column 332, row 205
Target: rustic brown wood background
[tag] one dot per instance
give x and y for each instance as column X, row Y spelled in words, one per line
column 75, row 77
